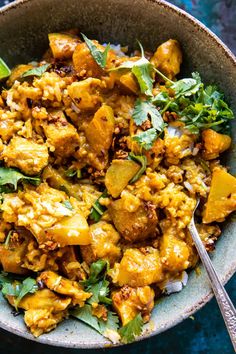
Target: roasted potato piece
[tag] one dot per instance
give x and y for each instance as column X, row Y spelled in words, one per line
column 71, row 230
column 133, row 226
column 25, row 154
column 104, row 239
column 62, row 45
column 174, row 252
column 100, row 130
column 64, row 286
column 12, row 255
column 138, row 267
column 119, row 174
column 222, row 197
column 17, row 72
column 86, row 94
column 214, row 144
column 128, row 302
column 61, row 135
column 84, row 63
column 168, row 58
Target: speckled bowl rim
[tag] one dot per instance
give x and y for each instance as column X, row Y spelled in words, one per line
column 224, row 278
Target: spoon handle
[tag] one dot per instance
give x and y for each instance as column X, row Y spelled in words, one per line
column 225, row 304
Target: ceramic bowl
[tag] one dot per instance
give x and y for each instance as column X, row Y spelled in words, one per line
column 23, row 36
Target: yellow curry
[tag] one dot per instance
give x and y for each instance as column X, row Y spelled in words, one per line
column 103, row 154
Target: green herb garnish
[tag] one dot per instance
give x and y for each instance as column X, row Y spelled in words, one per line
column 16, row 288
column 98, row 209
column 4, row 70
column 131, row 330
column 144, row 110
column 146, row 139
column 38, row 71
column 9, row 178
column 142, row 160
column 142, row 70
column 99, row 56
column 7, row 241
column 67, row 204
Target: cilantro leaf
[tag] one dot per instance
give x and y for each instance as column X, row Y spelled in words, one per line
column 85, row 315
column 4, row 70
column 131, row 330
column 9, row 178
column 18, row 289
column 146, row 139
column 141, row 160
column 99, row 56
column 187, row 87
column 98, row 209
column 97, row 270
column 144, row 110
column 142, row 70
column 161, row 99
column 38, row 71
column 67, row 204
column 100, row 291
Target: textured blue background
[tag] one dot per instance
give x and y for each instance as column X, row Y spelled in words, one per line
column 205, row 334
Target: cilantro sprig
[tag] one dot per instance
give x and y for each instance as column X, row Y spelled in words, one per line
column 9, row 179
column 98, row 209
column 131, row 330
column 17, row 288
column 199, row 107
column 142, row 70
column 142, row 160
column 99, row 56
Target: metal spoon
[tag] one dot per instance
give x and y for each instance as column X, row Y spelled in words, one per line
column 225, row 304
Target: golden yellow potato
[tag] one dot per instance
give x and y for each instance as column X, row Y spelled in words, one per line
column 86, row 94
column 119, row 174
column 222, row 197
column 168, row 58
column 214, row 144
column 62, row 45
column 71, row 230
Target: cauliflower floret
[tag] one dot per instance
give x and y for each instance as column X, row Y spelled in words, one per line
column 138, row 267
column 26, row 155
column 214, row 144
column 104, row 239
column 128, row 302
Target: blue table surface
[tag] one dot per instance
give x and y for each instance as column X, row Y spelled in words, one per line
column 205, row 333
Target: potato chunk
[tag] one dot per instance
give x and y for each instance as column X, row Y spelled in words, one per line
column 84, row 63
column 103, row 244
column 61, row 135
column 62, row 45
column 100, row 130
column 86, row 94
column 138, row 267
column 26, row 155
column 222, row 197
column 119, row 174
column 133, row 226
column 64, row 286
column 174, row 252
column 128, row 302
column 168, row 58
column 214, row 144
column 71, row 230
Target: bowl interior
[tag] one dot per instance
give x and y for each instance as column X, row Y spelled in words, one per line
column 23, row 36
